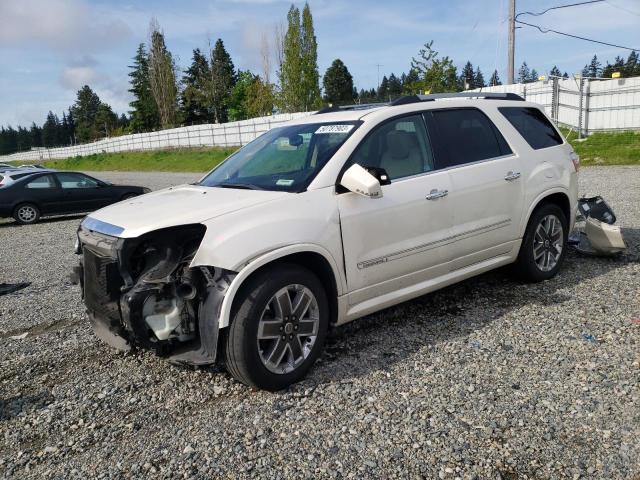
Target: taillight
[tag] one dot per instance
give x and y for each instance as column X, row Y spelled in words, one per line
column 576, row 160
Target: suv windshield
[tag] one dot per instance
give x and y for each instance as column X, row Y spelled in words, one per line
column 283, row 159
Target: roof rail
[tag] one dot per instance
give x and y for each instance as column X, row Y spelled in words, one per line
column 438, row 96
column 361, row 106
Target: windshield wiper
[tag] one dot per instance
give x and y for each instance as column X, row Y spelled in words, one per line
column 245, row 186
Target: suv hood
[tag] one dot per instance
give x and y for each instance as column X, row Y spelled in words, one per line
column 173, row 206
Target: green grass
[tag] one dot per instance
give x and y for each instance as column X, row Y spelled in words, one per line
column 621, row 148
column 178, row 160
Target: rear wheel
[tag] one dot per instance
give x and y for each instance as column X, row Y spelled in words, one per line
column 26, row 213
column 544, row 245
column 278, row 329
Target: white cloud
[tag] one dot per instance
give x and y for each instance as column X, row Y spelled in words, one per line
column 58, row 24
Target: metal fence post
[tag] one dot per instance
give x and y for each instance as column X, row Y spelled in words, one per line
column 587, row 98
column 555, row 99
column 580, row 102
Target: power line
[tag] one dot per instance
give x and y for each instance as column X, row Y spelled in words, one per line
column 547, row 30
column 622, row 8
column 558, row 7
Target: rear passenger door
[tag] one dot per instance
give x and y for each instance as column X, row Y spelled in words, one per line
column 486, row 194
column 44, row 192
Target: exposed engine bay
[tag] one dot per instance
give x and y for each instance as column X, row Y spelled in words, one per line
column 142, row 292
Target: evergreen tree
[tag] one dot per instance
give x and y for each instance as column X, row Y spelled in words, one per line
column 410, row 82
column 194, row 97
column 260, row 98
column 162, row 78
column 594, row 69
column 144, row 110
column 478, row 79
column 555, row 72
column 467, row 77
column 632, row 65
column 36, row 135
column 618, row 66
column 223, row 79
column 237, row 102
column 383, row 90
column 50, row 130
column 395, row 87
column 533, row 76
column 106, row 121
column 524, row 74
column 565, row 75
column 338, row 84
column 309, row 62
column 495, row 79
column 85, row 111
column 70, row 133
column 435, row 74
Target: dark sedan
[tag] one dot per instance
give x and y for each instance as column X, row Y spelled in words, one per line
column 57, row 193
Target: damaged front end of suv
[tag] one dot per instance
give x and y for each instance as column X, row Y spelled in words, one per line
column 143, row 292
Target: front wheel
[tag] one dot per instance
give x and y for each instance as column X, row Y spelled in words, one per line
column 278, row 329
column 544, row 245
column 26, row 213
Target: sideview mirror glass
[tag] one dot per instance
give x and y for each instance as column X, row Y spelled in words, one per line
column 357, row 180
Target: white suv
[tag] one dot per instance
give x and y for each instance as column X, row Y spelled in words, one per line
column 326, row 219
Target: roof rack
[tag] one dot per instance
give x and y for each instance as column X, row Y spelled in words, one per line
column 361, row 106
column 438, row 96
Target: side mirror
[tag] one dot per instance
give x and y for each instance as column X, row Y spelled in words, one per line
column 357, row 180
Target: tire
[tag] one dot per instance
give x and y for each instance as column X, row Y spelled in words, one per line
column 539, row 258
column 292, row 344
column 26, row 213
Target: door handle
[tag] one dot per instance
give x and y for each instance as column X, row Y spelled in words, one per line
column 435, row 194
column 512, row 176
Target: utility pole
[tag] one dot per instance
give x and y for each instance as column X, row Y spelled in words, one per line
column 378, row 65
column 512, row 41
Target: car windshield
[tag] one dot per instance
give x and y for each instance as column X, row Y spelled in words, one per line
column 283, row 159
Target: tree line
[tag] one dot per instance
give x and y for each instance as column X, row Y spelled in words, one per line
column 212, row 90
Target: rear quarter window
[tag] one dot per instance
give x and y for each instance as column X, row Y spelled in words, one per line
column 533, row 125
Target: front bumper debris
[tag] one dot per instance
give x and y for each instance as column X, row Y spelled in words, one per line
column 141, row 293
column 595, row 232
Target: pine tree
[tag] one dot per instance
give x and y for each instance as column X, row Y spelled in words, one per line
column 36, row 135
column 632, row 65
column 290, row 73
column 223, row 79
column 309, row 62
column 106, row 121
column 162, row 78
column 495, row 79
column 395, row 87
column 533, row 76
column 338, row 84
column 618, row 66
column 555, row 72
column 478, row 79
column 524, row 74
column 467, row 77
column 85, row 110
column 435, row 74
column 144, row 111
column 50, row 128
column 409, row 86
column 194, row 97
column 594, row 68
column 383, row 90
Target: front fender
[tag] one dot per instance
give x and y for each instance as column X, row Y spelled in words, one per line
column 255, row 264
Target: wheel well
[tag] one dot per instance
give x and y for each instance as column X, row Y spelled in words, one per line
column 559, row 199
column 311, row 261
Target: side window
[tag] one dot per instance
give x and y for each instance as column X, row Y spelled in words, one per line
column 75, row 180
column 466, row 135
column 45, row 181
column 400, row 146
column 533, row 125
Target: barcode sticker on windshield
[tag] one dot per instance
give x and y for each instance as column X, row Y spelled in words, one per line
column 334, row 129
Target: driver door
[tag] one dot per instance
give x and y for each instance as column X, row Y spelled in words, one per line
column 401, row 239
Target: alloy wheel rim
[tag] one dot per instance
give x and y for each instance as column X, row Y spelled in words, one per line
column 26, row 214
column 547, row 243
column 288, row 328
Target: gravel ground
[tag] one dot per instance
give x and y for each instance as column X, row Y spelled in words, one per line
column 486, row 379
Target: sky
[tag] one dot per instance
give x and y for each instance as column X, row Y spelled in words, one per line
column 51, row 48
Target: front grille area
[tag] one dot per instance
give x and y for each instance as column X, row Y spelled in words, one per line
column 102, row 282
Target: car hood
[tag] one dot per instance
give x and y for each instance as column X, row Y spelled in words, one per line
column 173, row 206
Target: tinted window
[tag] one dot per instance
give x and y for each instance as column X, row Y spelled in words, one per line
column 45, row 181
column 75, row 180
column 533, row 125
column 466, row 135
column 400, row 146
